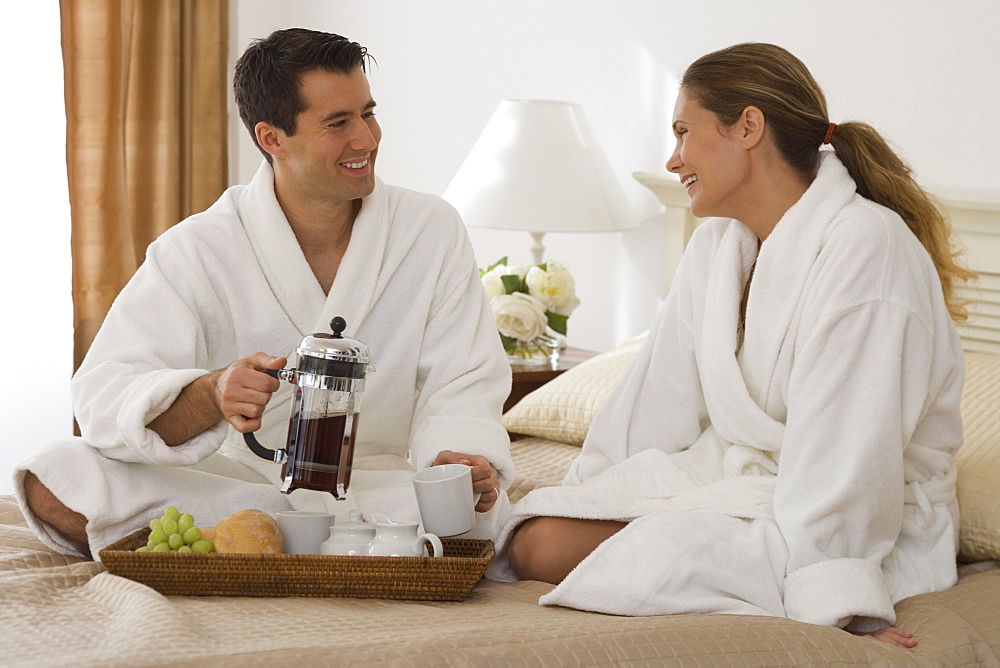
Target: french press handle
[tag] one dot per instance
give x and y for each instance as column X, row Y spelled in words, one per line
column 278, row 456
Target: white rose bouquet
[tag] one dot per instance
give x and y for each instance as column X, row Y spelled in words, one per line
column 530, row 305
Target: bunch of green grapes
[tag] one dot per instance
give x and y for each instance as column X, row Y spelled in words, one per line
column 176, row 532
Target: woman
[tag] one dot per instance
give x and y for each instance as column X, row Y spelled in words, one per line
column 783, row 443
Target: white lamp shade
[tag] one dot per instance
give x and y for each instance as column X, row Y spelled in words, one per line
column 537, row 167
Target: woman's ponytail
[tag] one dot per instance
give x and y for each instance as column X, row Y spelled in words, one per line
column 884, row 178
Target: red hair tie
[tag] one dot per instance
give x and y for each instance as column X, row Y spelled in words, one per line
column 829, row 133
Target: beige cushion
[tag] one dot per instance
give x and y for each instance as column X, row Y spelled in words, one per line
column 978, row 460
column 563, row 409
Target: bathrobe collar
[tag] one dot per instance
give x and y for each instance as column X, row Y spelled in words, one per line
column 287, row 272
column 735, row 393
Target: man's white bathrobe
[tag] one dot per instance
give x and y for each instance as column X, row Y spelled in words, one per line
column 232, row 281
column 803, row 472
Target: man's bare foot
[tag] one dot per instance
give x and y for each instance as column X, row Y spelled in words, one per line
column 893, row 636
column 44, row 504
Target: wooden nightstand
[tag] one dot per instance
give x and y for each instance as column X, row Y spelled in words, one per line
column 529, row 378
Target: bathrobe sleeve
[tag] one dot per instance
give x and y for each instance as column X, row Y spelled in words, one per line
column 150, row 346
column 463, row 376
column 854, row 402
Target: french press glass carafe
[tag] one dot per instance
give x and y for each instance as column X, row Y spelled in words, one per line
column 323, row 426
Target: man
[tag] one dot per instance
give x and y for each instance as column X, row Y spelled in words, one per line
column 314, row 235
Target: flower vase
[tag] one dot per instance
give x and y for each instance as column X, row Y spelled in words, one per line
column 543, row 350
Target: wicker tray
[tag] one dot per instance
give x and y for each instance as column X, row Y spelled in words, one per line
column 447, row 578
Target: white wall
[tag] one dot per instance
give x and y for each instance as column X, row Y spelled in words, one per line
column 923, row 72
column 36, row 312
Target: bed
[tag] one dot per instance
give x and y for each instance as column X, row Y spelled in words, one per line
column 59, row 610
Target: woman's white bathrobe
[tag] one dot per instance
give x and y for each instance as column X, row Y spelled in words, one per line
column 807, row 473
column 232, row 281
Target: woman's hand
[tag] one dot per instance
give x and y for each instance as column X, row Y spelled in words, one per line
column 893, row 636
column 484, row 477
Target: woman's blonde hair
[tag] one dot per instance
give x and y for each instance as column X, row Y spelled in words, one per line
column 770, row 78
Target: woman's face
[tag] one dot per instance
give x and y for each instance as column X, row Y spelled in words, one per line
column 708, row 160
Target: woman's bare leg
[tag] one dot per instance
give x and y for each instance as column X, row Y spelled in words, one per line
column 548, row 548
column 44, row 504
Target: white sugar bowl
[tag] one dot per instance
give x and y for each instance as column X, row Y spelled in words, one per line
column 350, row 538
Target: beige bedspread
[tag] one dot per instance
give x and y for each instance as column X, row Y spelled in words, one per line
column 56, row 610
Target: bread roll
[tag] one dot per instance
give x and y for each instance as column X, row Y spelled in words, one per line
column 248, row 532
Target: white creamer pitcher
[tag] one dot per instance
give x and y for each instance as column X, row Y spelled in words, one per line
column 400, row 539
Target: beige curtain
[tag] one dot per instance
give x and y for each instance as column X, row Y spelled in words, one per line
column 146, row 132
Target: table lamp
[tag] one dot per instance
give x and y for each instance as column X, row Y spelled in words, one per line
column 536, row 167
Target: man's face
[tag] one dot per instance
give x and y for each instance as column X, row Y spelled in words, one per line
column 331, row 156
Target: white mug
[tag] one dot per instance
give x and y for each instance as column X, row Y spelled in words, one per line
column 302, row 531
column 445, row 499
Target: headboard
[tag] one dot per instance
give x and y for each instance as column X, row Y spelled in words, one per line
column 975, row 217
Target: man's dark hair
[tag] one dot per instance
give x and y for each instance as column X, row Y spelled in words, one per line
column 267, row 75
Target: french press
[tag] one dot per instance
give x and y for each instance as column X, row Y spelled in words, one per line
column 323, row 426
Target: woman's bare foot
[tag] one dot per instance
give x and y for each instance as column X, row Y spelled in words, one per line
column 893, row 636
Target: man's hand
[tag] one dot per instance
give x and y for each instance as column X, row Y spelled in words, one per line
column 484, row 477
column 243, row 390
column 237, row 394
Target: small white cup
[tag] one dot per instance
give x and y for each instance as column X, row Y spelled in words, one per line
column 445, row 499
column 302, row 531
